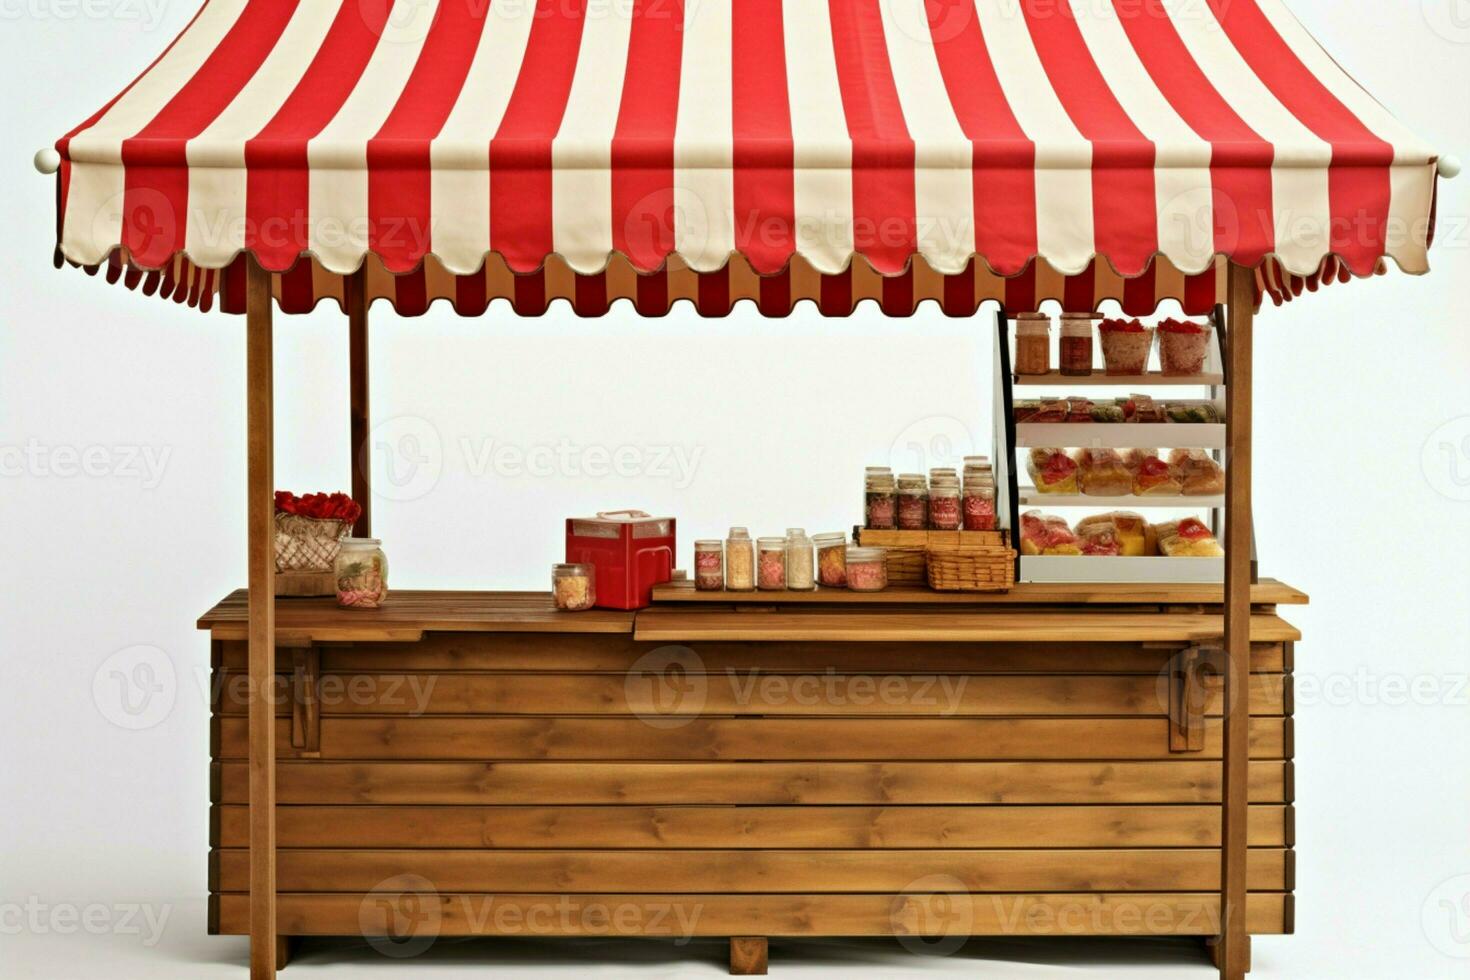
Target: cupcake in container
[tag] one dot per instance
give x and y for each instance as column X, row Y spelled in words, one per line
column 1126, row 345
column 1183, row 347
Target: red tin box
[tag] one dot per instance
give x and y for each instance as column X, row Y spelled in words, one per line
column 631, row 551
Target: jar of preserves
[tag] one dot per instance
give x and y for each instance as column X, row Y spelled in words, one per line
column 574, row 587
column 978, row 505
column 944, row 506
column 770, row 563
column 1033, row 343
column 913, row 502
column 880, row 502
column 362, row 573
column 739, row 561
column 801, row 569
column 867, row 569
column 831, row 559
column 709, row 565
column 1076, row 345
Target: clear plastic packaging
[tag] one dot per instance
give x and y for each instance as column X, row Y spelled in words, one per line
column 739, row 561
column 1126, row 345
column 1099, row 539
column 1101, row 473
column 1134, row 534
column 867, row 569
column 1198, row 473
column 709, row 565
column 362, row 573
column 574, row 586
column 1046, row 534
column 801, row 566
column 1152, row 477
column 1183, row 347
column 1033, row 343
column 770, row 562
column 1189, row 538
column 831, row 559
column 1052, row 471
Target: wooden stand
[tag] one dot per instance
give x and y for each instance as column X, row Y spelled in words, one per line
column 748, row 956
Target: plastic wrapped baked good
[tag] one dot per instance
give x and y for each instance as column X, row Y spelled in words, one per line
column 1183, row 346
column 1101, row 473
column 1108, row 413
column 1047, row 534
column 1079, row 410
column 1189, row 538
column 1134, row 534
column 1197, row 413
column 1198, row 473
column 1100, row 539
column 1152, row 477
column 1052, row 471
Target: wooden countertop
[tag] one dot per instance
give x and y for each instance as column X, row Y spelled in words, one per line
column 1267, row 592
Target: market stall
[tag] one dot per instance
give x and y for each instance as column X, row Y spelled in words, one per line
column 1085, row 772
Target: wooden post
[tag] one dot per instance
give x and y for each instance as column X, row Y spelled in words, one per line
column 260, row 495
column 1233, row 949
column 355, row 286
column 748, row 956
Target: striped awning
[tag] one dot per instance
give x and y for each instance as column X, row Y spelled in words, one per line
column 968, row 146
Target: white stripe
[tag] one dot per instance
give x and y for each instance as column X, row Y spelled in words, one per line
column 822, row 148
column 1411, row 179
column 944, row 183
column 217, row 178
column 1064, row 227
column 704, row 140
column 1182, row 186
column 1299, row 174
column 581, row 154
column 92, row 225
column 459, row 158
column 337, row 156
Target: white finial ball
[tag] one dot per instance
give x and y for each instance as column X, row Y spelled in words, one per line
column 1449, row 166
column 48, row 161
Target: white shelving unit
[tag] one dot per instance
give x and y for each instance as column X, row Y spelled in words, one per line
column 1031, row 497
column 1085, row 569
column 1121, row 435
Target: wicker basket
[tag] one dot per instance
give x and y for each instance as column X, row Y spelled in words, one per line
column 305, row 544
column 972, row 568
column 907, row 552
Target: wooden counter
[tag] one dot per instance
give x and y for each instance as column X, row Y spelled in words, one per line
column 1042, row 763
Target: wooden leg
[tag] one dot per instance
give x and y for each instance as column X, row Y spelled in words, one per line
column 285, row 946
column 358, row 377
column 748, row 956
column 260, row 494
column 1233, row 950
column 1215, row 947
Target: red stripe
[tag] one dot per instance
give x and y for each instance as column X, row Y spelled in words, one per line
column 1200, row 293
column 1140, row 294
column 530, row 293
column 590, row 295
column 298, row 290
column 1079, row 292
column 775, row 294
column 411, row 293
column 156, row 171
column 898, row 294
column 1125, row 212
column 836, row 297
column 181, row 287
column 277, row 180
column 232, row 289
column 398, row 163
column 959, row 293
column 651, row 295
column 764, row 155
column 470, row 295
column 206, row 295
column 714, row 292
column 1005, row 159
column 643, row 143
column 520, row 153
column 166, row 287
column 1240, row 160
column 884, row 226
column 1021, row 292
column 153, row 279
column 1358, row 179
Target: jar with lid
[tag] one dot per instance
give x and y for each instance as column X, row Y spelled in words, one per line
column 944, row 505
column 880, row 505
column 709, row 565
column 979, row 505
column 1076, row 345
column 867, row 569
column 770, row 563
column 913, row 502
column 574, row 587
column 362, row 573
column 739, row 561
column 1033, row 343
column 801, row 569
column 831, row 559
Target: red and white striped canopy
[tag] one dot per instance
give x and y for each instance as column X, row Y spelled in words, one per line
column 465, row 140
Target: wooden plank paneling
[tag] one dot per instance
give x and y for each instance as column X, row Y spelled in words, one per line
column 833, row 783
column 603, row 915
column 743, row 693
column 752, row 872
column 749, row 826
column 1267, row 591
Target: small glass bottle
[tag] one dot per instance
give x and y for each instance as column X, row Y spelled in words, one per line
column 913, row 502
column 770, row 561
column 362, row 573
column 867, row 569
column 944, row 506
column 801, row 567
column 1076, row 345
column 831, row 559
column 739, row 561
column 709, row 565
column 880, row 502
column 574, row 587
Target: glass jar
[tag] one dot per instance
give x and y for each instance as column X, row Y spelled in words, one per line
column 1076, row 346
column 739, row 561
column 913, row 502
column 867, row 569
column 770, row 562
column 831, row 559
column 709, row 565
column 880, row 507
column 362, row 573
column 801, row 567
column 574, row 587
column 979, row 505
column 944, row 506
column 1033, row 343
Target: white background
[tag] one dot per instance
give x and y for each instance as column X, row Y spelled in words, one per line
column 1362, row 491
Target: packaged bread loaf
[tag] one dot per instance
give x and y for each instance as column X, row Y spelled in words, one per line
column 1046, row 534
column 1101, row 473
column 1099, row 538
column 1135, row 535
column 1198, row 473
column 1189, row 538
column 1152, row 477
column 1052, row 471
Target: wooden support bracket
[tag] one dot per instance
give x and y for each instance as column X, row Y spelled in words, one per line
column 1213, row 946
column 1189, row 695
column 306, row 708
column 748, row 956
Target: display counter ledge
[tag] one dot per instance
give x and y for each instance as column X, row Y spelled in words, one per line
column 1267, row 592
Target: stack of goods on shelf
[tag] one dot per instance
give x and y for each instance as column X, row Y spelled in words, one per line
column 792, row 562
column 1127, row 345
column 309, row 531
column 1119, row 534
column 1131, row 472
column 1134, row 408
column 630, row 552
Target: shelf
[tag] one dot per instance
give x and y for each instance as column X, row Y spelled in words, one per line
column 1151, row 380
column 1266, row 592
column 1091, row 569
column 1031, row 498
column 1121, row 435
